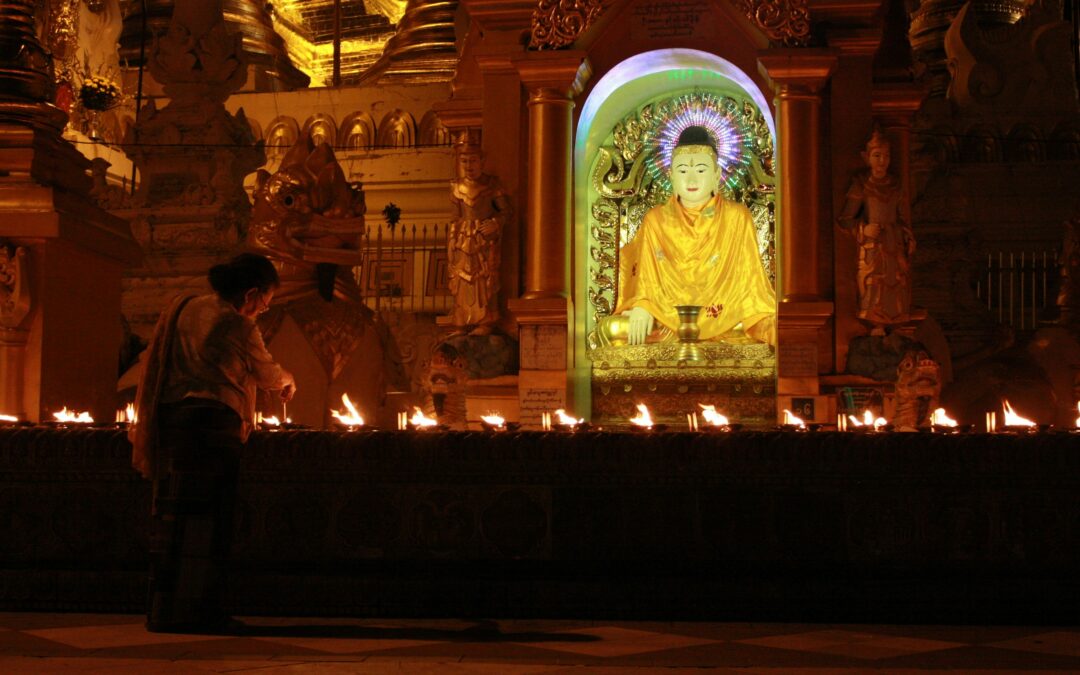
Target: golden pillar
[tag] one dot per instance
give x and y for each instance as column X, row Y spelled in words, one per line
column 798, row 77
column 552, row 79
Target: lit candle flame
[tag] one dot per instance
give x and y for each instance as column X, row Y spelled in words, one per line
column 643, row 418
column 8, row 418
column 351, row 418
column 711, row 416
column 940, row 419
column 1014, row 420
column 71, row 416
column 271, row 421
column 791, row 419
column 126, row 415
column 419, row 419
column 493, row 419
column 567, row 420
column 869, row 420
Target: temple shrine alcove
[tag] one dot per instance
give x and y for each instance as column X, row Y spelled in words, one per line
column 623, row 156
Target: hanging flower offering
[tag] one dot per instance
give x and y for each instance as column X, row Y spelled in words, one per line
column 100, row 93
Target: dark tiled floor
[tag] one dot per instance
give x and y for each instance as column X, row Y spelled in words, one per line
column 118, row 644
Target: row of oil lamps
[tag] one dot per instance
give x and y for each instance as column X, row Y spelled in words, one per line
column 350, row 418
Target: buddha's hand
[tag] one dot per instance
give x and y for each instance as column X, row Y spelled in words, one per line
column 641, row 324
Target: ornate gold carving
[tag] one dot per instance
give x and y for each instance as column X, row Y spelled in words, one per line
column 63, row 32
column 558, row 23
column 784, row 21
column 306, row 212
column 210, row 65
column 15, row 300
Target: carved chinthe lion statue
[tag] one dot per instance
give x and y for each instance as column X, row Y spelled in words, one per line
column 309, row 221
column 918, row 389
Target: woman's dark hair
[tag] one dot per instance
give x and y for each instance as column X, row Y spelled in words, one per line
column 232, row 280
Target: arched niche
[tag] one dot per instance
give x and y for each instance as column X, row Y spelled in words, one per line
column 357, row 132
column 617, row 102
column 397, row 130
column 432, row 131
column 321, row 128
column 281, row 134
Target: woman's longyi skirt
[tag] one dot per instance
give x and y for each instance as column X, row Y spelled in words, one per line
column 193, row 514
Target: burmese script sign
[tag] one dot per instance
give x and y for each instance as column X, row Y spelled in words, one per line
column 797, row 360
column 537, row 400
column 543, row 347
column 658, row 19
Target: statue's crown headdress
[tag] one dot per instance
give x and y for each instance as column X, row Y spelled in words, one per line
column 878, row 139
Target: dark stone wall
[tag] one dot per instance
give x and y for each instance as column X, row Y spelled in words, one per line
column 779, row 526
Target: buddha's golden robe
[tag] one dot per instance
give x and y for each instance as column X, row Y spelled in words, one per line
column 707, row 257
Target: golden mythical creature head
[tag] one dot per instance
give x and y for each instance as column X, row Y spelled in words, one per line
column 307, row 209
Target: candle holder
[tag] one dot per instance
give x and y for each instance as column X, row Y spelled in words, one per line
column 505, row 426
column 688, row 332
column 809, row 426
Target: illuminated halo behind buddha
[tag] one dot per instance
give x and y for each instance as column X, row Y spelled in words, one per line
column 696, row 249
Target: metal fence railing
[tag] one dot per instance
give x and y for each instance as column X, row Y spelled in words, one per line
column 404, row 268
column 1018, row 287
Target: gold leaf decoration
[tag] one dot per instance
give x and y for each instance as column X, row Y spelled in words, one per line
column 784, row 21
column 558, row 23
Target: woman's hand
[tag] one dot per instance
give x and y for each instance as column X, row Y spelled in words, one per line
column 288, row 391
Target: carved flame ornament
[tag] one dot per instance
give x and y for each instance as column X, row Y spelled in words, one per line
column 784, row 21
column 558, row 23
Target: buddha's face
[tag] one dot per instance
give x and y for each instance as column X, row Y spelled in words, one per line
column 694, row 177
column 877, row 158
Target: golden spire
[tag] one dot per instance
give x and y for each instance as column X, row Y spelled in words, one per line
column 424, row 47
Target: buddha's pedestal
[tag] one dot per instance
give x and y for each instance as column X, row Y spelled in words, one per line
column 740, row 380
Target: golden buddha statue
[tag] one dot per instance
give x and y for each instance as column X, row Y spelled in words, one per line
column 473, row 247
column 873, row 211
column 696, row 249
